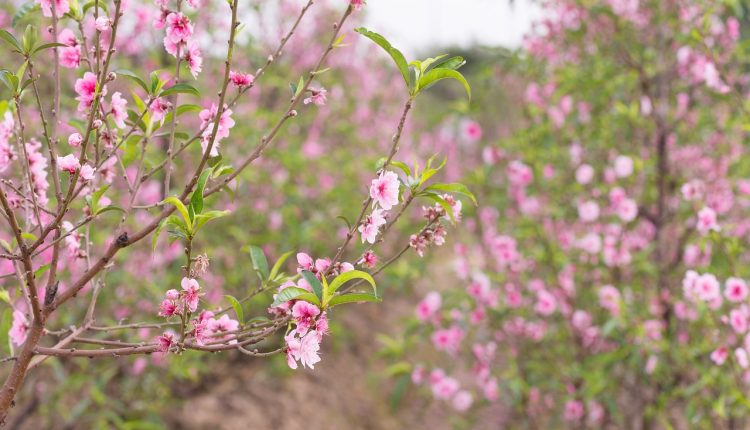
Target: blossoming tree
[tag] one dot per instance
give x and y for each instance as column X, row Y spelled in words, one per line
column 78, row 155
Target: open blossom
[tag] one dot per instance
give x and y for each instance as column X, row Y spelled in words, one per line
column 224, row 324
column 240, row 79
column 191, row 291
column 159, row 108
column 623, row 166
column 165, row 341
column 384, row 190
column 179, row 27
column 304, row 315
column 226, row 122
column 588, row 211
column 584, row 174
column 68, row 163
column 317, row 97
column 119, row 109
column 428, row 306
column 194, row 59
column 735, row 290
column 371, row 226
column 70, row 55
column 87, row 172
column 546, row 303
column 719, row 356
column 61, row 7
column 369, row 260
column 86, row 89
column 707, row 221
column 19, row 329
column 706, row 287
column 462, row 401
column 304, row 349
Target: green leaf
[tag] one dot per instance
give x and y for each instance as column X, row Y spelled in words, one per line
column 180, row 88
column 110, row 208
column 181, row 208
column 277, row 266
column 10, row 40
column 29, row 38
column 237, row 306
column 155, row 237
column 349, row 276
column 48, row 46
column 402, row 166
column 5, row 324
column 202, row 219
column 453, row 188
column 354, row 298
column 23, row 11
column 395, row 54
column 453, row 63
column 314, row 282
column 10, row 80
column 132, row 76
column 196, row 200
column 433, row 76
column 294, row 293
column 260, row 263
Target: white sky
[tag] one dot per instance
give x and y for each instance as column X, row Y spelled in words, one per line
column 416, row 24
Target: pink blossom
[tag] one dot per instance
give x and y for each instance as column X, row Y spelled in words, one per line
column 370, row 227
column 428, row 306
column 240, row 79
column 75, row 140
column 588, row 211
column 168, row 307
column 19, row 329
column 317, row 97
column 179, row 28
column 707, row 221
column 546, row 303
column 103, row 23
column 738, row 320
column 86, row 89
column 623, row 166
column 191, row 291
column 448, row 340
column 305, row 350
column 226, row 122
column 166, row 341
column 68, row 163
column 384, row 190
column 742, row 358
column 87, row 172
column 706, row 287
column 194, row 59
column 357, row 4
column 719, row 355
column 735, row 290
column 584, row 174
column 222, row 325
column 445, row 388
column 573, row 410
column 159, row 108
column 462, row 401
column 304, row 315
column 119, row 109
column 369, row 260
column 472, row 131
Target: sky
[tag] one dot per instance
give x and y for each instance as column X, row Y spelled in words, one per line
column 418, row 24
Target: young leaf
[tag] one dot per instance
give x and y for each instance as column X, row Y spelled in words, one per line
column 395, row 54
column 349, row 276
column 130, row 75
column 10, row 39
column 196, row 200
column 202, row 219
column 314, row 282
column 237, row 306
column 180, row 88
column 453, row 63
column 48, row 46
column 453, row 188
column 277, row 266
column 354, row 298
column 294, row 293
column 435, row 75
column 23, row 11
column 260, row 264
column 181, row 208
